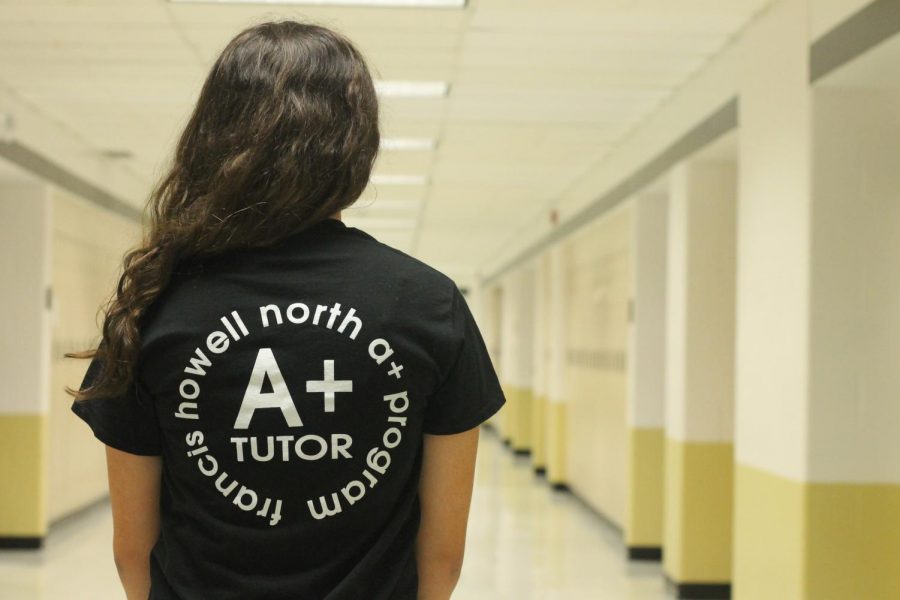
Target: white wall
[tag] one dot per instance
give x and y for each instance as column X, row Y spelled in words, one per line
column 25, row 233
column 855, row 287
column 647, row 364
column 700, row 302
column 598, row 289
column 540, row 347
column 517, row 328
column 556, row 327
column 87, row 249
column 773, row 243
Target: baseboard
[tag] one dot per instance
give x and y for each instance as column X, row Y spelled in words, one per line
column 699, row 591
column 644, row 553
column 21, row 543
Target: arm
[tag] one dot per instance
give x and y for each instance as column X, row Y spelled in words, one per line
column 134, row 494
column 445, row 493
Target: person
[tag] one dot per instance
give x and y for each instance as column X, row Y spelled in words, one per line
column 290, row 407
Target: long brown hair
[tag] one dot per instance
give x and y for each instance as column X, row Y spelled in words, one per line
column 284, row 134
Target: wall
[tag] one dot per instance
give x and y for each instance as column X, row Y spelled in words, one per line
column 87, row 248
column 25, row 217
column 772, row 314
column 555, row 417
column 516, row 356
column 699, row 391
column 490, row 329
column 540, row 363
column 646, row 374
column 598, row 290
column 853, row 500
column 816, row 468
column 818, row 473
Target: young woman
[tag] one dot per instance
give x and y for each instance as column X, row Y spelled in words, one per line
column 290, row 407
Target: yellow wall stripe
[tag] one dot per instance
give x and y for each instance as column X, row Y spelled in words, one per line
column 698, row 511
column 815, row 541
column 509, row 413
column 538, row 432
column 768, row 529
column 517, row 422
column 644, row 519
column 556, row 443
column 23, row 473
column 853, row 543
column 522, row 431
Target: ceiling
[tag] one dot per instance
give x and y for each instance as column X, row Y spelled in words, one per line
column 539, row 91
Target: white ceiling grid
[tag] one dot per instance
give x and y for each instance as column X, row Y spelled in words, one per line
column 539, row 91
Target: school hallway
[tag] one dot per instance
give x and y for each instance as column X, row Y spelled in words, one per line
column 525, row 541
column 650, row 247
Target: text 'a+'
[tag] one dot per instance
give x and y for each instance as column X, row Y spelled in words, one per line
column 267, row 389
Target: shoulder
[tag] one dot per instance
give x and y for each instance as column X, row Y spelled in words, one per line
column 410, row 270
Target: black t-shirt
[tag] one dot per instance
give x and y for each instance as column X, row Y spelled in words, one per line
column 287, row 390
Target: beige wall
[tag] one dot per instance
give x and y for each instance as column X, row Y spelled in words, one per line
column 817, row 476
column 489, row 323
column 516, row 356
column 647, row 367
column 25, row 217
column 540, row 362
column 855, row 287
column 517, row 332
column 700, row 302
column 540, row 346
column 773, row 244
column 647, row 371
column 813, row 480
column 555, row 408
column 699, row 390
column 597, row 295
column 87, row 248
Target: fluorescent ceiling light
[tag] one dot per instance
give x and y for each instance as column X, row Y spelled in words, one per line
column 398, row 180
column 412, row 89
column 408, row 143
column 386, row 3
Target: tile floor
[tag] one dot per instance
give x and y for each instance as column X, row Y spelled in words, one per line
column 525, row 542
column 528, row 542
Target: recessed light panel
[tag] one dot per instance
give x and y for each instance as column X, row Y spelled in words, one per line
column 408, row 143
column 412, row 89
column 384, row 3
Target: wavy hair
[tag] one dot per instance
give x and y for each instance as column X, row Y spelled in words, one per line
column 283, row 135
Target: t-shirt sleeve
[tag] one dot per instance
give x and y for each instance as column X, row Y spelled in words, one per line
column 126, row 422
column 470, row 391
